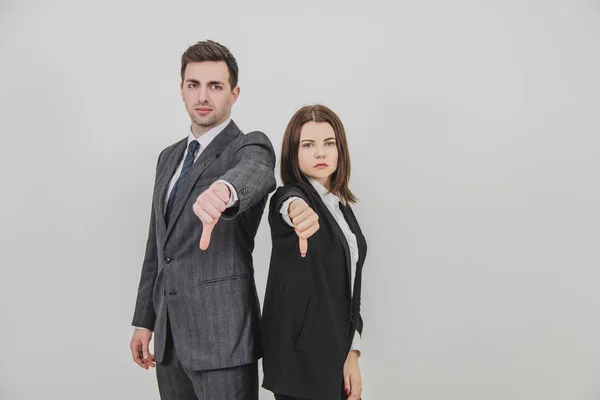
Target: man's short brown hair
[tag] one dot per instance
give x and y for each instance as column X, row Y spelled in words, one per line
column 210, row 51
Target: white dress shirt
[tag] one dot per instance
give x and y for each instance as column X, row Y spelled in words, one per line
column 203, row 141
column 332, row 202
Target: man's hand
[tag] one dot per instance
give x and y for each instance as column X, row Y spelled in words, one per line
column 352, row 377
column 208, row 207
column 305, row 220
column 139, row 348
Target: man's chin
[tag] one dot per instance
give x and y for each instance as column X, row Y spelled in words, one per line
column 205, row 122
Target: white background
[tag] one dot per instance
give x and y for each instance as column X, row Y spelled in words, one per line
column 473, row 129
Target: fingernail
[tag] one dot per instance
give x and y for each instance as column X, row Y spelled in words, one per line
column 347, row 392
column 303, row 254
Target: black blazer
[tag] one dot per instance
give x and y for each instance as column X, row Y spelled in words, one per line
column 309, row 316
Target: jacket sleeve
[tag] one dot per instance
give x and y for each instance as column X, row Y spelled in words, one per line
column 252, row 174
column 144, row 315
column 283, row 194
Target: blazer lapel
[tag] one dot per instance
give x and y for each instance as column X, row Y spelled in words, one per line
column 338, row 233
column 362, row 250
column 355, row 228
column 208, row 155
column 173, row 160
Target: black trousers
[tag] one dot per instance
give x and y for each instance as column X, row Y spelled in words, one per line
column 178, row 383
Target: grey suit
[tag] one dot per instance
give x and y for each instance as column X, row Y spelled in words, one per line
column 209, row 297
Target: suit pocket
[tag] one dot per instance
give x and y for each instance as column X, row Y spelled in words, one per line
column 224, row 317
column 303, row 340
column 221, row 281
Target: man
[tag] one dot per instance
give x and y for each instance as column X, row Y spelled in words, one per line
column 210, row 192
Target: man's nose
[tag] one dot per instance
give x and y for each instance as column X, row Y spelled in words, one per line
column 202, row 95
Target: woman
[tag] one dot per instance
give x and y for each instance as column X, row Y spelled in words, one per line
column 311, row 320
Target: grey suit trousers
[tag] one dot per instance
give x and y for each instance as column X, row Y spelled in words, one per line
column 178, row 383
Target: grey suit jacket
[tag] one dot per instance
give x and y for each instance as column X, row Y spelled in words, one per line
column 209, row 296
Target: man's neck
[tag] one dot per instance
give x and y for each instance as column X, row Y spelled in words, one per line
column 199, row 130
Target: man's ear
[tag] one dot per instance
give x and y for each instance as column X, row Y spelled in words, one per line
column 235, row 93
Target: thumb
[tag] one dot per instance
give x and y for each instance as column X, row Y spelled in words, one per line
column 303, row 247
column 205, row 238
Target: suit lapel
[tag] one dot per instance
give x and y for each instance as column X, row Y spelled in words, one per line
column 173, row 160
column 362, row 249
column 208, row 155
column 355, row 228
column 338, row 233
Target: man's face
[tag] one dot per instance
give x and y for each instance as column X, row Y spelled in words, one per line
column 207, row 94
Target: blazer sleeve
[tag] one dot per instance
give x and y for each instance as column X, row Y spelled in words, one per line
column 144, row 315
column 252, row 173
column 280, row 197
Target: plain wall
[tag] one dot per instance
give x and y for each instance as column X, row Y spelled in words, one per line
column 474, row 135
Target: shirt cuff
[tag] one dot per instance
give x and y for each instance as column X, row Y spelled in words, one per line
column 284, row 210
column 144, row 329
column 356, row 342
column 234, row 197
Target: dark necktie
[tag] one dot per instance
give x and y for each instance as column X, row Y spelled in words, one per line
column 187, row 164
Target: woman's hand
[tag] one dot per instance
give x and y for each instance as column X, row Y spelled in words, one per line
column 305, row 220
column 352, row 377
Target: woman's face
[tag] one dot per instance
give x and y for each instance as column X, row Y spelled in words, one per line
column 317, row 152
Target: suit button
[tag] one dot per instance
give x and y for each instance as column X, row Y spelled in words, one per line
column 167, row 260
